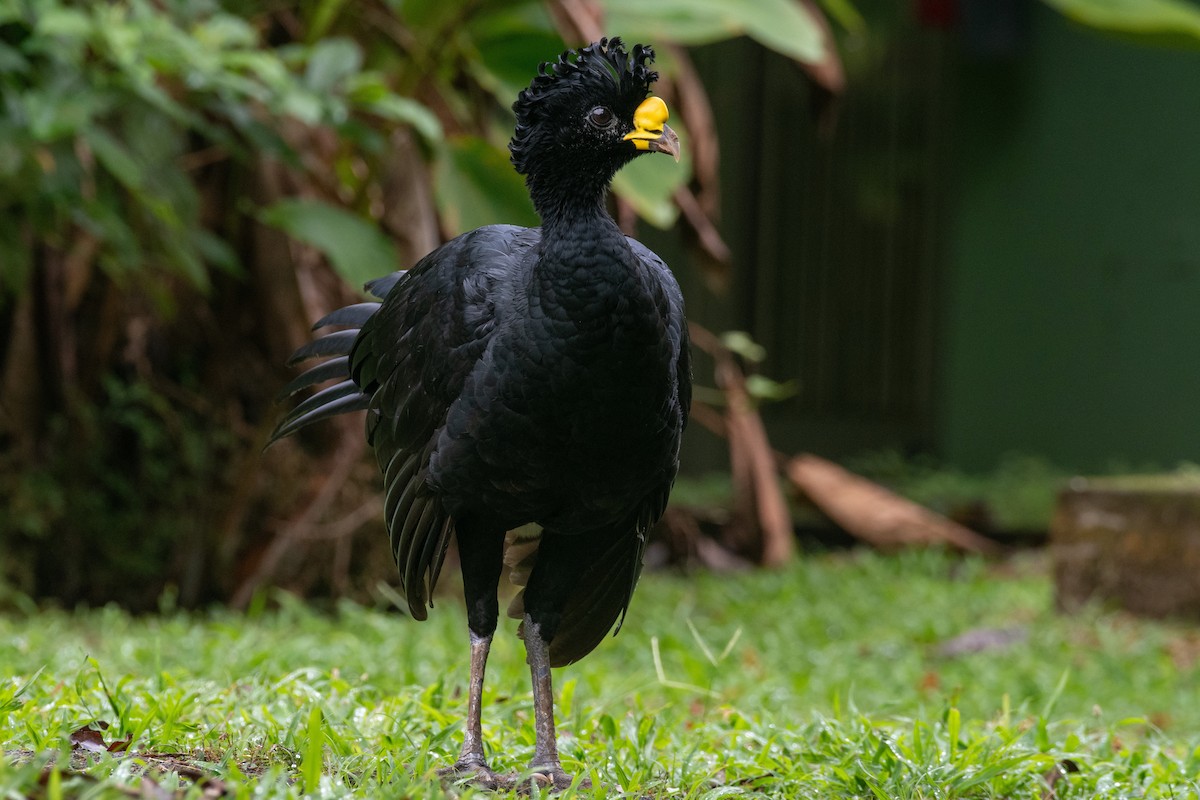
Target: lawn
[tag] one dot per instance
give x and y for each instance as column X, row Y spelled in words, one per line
column 860, row 675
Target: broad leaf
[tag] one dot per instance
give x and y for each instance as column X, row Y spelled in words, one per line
column 476, row 185
column 1170, row 22
column 65, row 23
column 331, row 62
column 369, row 91
column 356, row 248
column 327, row 11
column 511, row 43
column 782, row 25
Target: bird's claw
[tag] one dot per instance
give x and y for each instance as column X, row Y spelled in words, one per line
column 476, row 773
column 554, row 779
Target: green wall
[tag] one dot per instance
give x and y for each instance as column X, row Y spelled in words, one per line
column 1072, row 288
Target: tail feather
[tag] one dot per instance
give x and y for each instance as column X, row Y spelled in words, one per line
column 380, row 287
column 334, row 368
column 292, row 423
column 326, row 396
column 345, row 395
column 355, row 315
column 332, row 344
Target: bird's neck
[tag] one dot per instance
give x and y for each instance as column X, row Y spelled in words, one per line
column 581, row 235
column 567, row 201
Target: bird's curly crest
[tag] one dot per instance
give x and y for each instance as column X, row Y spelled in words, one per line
column 604, row 65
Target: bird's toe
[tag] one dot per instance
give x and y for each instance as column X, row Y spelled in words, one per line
column 555, row 779
column 476, row 773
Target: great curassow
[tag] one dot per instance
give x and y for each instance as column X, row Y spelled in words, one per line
column 528, row 375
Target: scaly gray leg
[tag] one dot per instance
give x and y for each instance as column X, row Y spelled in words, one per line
column 545, row 764
column 471, row 762
column 472, row 749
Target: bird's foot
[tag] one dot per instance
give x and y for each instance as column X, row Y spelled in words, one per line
column 476, row 773
column 553, row 777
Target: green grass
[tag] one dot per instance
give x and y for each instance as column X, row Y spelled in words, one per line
column 828, row 679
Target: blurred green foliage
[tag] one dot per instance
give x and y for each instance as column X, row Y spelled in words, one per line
column 1174, row 23
column 109, row 108
column 100, row 101
column 124, row 492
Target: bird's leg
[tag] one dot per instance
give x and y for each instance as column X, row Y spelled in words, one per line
column 471, row 763
column 545, row 753
column 481, row 556
column 471, row 757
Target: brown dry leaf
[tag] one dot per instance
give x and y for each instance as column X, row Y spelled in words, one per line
column 90, row 738
column 1060, row 771
column 872, row 513
column 1160, row 719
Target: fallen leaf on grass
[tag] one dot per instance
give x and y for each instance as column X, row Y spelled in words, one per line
column 90, row 737
column 1060, row 771
column 877, row 516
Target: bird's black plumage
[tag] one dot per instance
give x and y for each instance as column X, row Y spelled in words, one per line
column 528, row 375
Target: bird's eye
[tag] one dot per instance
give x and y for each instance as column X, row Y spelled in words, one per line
column 601, row 117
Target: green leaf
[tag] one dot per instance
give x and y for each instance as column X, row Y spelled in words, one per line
column 953, row 730
column 762, row 388
column 130, row 172
column 314, row 750
column 10, row 698
column 331, row 62
column 430, row 18
column 410, row 112
column 846, row 15
column 1168, row 22
column 782, row 25
column 510, row 42
column 12, row 62
column 116, row 158
column 356, row 248
column 325, row 15
column 224, row 31
column 369, row 92
column 476, row 185
column 216, row 251
column 54, row 113
column 744, row 345
column 305, row 106
column 64, row 23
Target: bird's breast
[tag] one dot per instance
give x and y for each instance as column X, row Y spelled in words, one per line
column 573, row 413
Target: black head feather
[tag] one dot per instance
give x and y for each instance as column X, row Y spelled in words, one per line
column 603, row 73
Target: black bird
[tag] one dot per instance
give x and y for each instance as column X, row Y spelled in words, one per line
column 528, row 375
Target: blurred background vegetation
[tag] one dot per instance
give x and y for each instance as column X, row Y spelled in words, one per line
column 963, row 229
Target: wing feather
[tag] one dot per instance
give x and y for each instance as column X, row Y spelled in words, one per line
column 412, row 358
